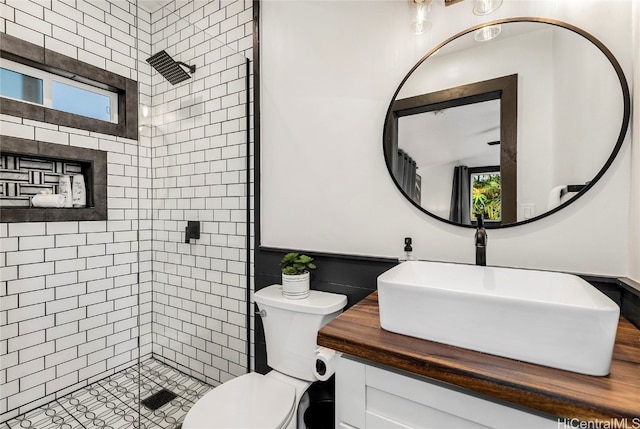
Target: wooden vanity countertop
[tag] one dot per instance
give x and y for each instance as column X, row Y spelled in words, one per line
column 357, row 332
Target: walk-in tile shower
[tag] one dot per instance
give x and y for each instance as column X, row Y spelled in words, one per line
column 88, row 303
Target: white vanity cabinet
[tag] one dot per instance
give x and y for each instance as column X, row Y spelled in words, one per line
column 370, row 397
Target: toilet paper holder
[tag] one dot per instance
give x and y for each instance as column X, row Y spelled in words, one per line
column 321, row 367
column 324, row 363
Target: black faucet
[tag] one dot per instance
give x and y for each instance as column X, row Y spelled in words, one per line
column 481, row 242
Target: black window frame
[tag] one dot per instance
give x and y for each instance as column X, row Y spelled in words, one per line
column 21, row 51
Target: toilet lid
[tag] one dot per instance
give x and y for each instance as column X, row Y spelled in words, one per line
column 249, row 401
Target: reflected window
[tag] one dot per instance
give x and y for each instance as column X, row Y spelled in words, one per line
column 20, row 86
column 485, row 193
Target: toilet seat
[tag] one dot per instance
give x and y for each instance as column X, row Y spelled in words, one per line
column 249, row 401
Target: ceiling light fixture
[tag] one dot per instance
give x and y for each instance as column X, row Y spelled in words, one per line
column 420, row 13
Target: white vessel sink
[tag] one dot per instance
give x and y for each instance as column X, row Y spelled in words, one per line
column 547, row 318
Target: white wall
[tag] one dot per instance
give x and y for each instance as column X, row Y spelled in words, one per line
column 583, row 137
column 325, row 93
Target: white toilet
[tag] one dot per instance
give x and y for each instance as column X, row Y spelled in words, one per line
column 271, row 401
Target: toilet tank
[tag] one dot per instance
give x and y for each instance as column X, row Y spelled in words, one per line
column 291, row 327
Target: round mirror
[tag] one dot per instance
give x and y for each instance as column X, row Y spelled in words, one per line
column 511, row 120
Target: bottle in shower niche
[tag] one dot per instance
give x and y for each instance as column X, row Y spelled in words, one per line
column 64, row 188
column 79, row 191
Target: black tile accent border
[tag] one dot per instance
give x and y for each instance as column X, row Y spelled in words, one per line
column 630, row 305
column 96, row 181
column 28, row 53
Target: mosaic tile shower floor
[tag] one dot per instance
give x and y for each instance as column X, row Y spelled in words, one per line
column 112, row 403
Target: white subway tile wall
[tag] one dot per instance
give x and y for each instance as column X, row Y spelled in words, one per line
column 199, row 173
column 69, row 291
column 76, row 297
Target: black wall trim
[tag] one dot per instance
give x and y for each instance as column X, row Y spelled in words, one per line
column 24, row 52
column 630, row 300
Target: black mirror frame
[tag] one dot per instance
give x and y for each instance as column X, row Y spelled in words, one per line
column 391, row 121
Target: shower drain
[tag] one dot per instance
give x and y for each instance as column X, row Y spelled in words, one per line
column 158, row 399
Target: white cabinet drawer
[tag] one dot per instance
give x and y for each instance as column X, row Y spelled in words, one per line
column 412, row 414
column 372, row 397
column 431, row 404
column 375, row 421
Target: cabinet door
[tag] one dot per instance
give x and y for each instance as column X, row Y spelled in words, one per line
column 350, row 394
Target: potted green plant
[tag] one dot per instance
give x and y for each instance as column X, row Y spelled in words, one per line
column 295, row 275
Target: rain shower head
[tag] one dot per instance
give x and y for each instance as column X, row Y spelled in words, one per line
column 169, row 68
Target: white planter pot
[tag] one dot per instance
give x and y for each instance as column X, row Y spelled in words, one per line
column 295, row 286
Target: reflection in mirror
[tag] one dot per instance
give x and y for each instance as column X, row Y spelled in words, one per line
column 452, row 140
column 453, row 130
column 545, row 103
column 485, row 196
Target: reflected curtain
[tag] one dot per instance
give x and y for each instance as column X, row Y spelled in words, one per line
column 460, row 210
column 406, row 175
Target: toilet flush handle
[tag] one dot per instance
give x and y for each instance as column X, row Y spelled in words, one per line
column 262, row 313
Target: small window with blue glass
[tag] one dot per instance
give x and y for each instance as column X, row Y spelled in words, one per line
column 32, row 85
column 20, row 86
column 81, row 101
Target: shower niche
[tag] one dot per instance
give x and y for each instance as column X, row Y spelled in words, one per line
column 29, row 167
